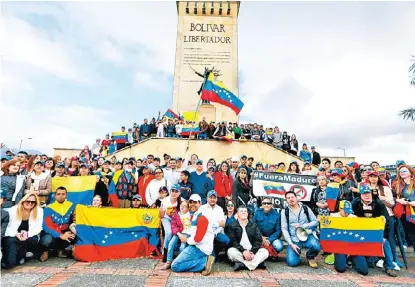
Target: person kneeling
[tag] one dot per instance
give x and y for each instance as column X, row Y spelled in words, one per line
column 245, row 241
column 340, row 260
column 297, row 215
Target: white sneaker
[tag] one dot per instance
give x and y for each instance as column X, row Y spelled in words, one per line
column 379, row 263
column 396, row 267
column 29, row 255
column 21, row 262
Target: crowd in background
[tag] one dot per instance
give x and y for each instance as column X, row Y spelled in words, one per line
column 245, row 228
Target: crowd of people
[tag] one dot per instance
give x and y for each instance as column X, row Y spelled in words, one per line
column 173, row 128
column 207, row 209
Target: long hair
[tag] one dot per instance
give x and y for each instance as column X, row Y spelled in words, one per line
column 399, row 182
column 5, row 168
column 19, row 210
column 220, row 167
column 30, row 164
column 297, row 168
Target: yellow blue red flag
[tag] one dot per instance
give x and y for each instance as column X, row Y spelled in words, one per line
column 80, row 188
column 352, row 235
column 115, row 233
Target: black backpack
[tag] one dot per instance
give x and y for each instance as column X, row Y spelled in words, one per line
column 287, row 214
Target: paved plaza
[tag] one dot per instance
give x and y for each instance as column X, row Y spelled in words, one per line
column 147, row 272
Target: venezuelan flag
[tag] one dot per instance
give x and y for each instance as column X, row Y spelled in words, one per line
column 352, row 235
column 119, row 137
column 80, row 188
column 171, row 115
column 115, row 233
column 57, row 217
column 410, row 214
column 274, row 188
column 187, row 129
column 332, row 193
column 215, row 91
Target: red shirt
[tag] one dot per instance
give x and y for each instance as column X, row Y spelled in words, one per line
column 223, row 184
column 105, row 142
column 142, row 185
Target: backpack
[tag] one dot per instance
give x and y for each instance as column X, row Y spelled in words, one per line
column 287, row 214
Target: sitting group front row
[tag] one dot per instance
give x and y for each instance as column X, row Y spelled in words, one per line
column 202, row 232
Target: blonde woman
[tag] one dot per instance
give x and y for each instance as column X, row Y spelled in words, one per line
column 24, row 233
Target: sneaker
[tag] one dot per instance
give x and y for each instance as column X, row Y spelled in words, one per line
column 22, row 261
column 238, row 266
column 209, row 265
column 44, row 256
column 379, row 263
column 329, row 260
column 62, row 254
column 166, row 266
column 391, row 272
column 262, row 265
column 396, row 266
column 29, row 254
column 312, row 263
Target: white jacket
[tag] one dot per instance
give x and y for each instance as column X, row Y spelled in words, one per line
column 152, row 190
column 35, row 225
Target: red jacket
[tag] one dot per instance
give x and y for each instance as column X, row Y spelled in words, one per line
column 223, row 184
column 176, row 223
column 142, row 185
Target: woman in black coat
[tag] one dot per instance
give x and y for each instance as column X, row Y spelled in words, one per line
column 241, row 190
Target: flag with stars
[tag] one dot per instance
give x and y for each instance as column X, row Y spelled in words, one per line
column 115, row 233
column 80, row 188
column 216, row 92
column 352, row 235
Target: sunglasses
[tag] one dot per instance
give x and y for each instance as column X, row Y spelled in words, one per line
column 403, row 171
column 242, row 172
column 30, row 201
column 266, row 203
column 135, row 199
column 175, row 191
column 158, row 172
column 230, row 205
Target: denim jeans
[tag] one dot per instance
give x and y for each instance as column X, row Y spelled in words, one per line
column 221, row 242
column 202, row 136
column 14, row 249
column 360, row 263
column 277, row 245
column 392, row 241
column 172, row 247
column 388, row 260
column 166, row 221
column 313, row 246
column 191, row 259
column 171, row 135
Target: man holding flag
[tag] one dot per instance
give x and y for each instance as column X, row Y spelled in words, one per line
column 369, row 207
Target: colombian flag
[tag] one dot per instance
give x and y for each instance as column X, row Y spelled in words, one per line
column 171, row 115
column 120, row 137
column 332, row 193
column 352, row 235
column 187, row 129
column 80, row 188
column 215, row 91
column 115, row 233
column 274, row 188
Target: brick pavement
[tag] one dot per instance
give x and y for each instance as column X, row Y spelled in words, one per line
column 114, row 273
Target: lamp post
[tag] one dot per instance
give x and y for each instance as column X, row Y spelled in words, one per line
column 343, row 149
column 21, row 141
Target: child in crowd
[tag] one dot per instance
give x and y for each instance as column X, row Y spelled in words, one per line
column 163, row 192
column 180, row 224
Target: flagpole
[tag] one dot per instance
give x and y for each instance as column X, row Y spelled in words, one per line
column 197, row 108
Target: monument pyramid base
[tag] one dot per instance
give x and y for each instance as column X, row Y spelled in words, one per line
column 206, row 149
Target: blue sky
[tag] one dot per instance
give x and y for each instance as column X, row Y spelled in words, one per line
column 335, row 74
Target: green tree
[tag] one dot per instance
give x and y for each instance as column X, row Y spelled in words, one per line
column 409, row 114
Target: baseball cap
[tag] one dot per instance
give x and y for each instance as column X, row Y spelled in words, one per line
column 118, row 162
column 381, row 170
column 163, row 188
column 195, row 197
column 175, row 186
column 400, row 162
column 259, row 164
column 235, row 158
column 107, row 162
column 306, row 162
column 372, row 172
column 212, row 193
column 39, row 161
column 313, row 147
column 84, row 164
column 346, row 206
column 199, row 161
column 353, row 164
column 74, row 158
column 364, row 188
column 244, row 156
column 337, row 171
column 137, row 196
column 60, row 164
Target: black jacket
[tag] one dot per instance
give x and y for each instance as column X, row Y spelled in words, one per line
column 4, row 221
column 234, row 231
column 316, row 158
column 378, row 209
column 241, row 193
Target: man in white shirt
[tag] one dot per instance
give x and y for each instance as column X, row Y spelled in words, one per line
column 217, row 218
column 198, row 255
column 171, row 173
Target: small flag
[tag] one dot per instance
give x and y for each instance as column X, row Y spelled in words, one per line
column 274, row 188
column 216, row 92
column 119, row 137
column 80, row 188
column 171, row 115
column 332, row 193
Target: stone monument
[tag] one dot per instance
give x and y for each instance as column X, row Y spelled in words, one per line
column 207, row 37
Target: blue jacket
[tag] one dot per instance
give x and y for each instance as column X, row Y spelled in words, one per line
column 269, row 223
column 145, row 129
column 305, row 155
column 186, row 189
